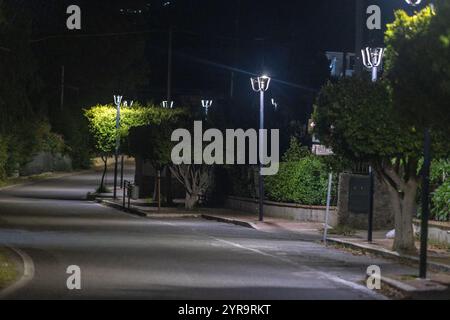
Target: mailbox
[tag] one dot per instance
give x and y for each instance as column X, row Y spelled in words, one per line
column 359, row 191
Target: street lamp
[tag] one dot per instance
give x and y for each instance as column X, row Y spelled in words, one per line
column 167, row 105
column 117, row 102
column 413, row 2
column 261, row 85
column 206, row 104
column 372, row 58
column 125, row 104
column 275, row 104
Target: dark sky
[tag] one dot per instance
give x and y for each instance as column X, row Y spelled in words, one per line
column 286, row 39
column 255, row 36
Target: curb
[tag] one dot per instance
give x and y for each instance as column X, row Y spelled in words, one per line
column 26, row 277
column 116, row 206
column 409, row 292
column 384, row 253
column 144, row 214
column 229, row 221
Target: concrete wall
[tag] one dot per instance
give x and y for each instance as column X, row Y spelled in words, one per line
column 284, row 210
column 438, row 232
column 383, row 217
column 47, row 162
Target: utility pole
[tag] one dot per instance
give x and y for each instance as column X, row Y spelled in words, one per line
column 62, row 87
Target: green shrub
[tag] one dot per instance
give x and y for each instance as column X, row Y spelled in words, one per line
column 304, row 182
column 441, row 202
column 440, row 171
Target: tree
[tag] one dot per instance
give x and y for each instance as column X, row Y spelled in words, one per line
column 383, row 123
column 102, row 126
column 418, row 66
column 196, row 179
column 152, row 143
column 356, row 118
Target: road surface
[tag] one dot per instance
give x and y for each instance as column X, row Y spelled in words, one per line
column 126, row 257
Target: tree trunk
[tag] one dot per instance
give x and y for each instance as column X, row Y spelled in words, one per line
column 105, row 168
column 191, row 200
column 404, row 206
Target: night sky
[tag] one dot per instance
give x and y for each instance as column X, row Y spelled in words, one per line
column 121, row 41
column 210, row 36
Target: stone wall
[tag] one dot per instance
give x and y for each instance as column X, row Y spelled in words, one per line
column 47, row 162
column 383, row 217
column 284, row 210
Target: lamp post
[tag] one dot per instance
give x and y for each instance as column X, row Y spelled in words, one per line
column 261, row 85
column 206, row 104
column 372, row 58
column 117, row 102
column 125, row 104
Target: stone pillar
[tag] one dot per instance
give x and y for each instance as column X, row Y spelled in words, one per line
column 383, row 217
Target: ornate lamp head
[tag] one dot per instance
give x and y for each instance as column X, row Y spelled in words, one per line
column 167, row 105
column 413, row 3
column 118, row 100
column 372, row 57
column 207, row 104
column 261, row 83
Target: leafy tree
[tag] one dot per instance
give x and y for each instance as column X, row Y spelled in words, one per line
column 418, row 66
column 383, row 123
column 102, row 125
column 357, row 119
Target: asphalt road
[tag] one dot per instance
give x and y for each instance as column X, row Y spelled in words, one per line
column 127, row 257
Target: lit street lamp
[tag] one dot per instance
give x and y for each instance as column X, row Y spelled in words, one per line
column 167, row 105
column 413, row 2
column 261, row 85
column 275, row 104
column 372, row 58
column 117, row 102
column 206, row 104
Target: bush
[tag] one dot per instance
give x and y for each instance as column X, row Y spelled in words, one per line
column 441, row 202
column 303, row 182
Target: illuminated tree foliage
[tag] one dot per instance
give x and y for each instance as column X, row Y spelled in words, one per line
column 102, row 125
